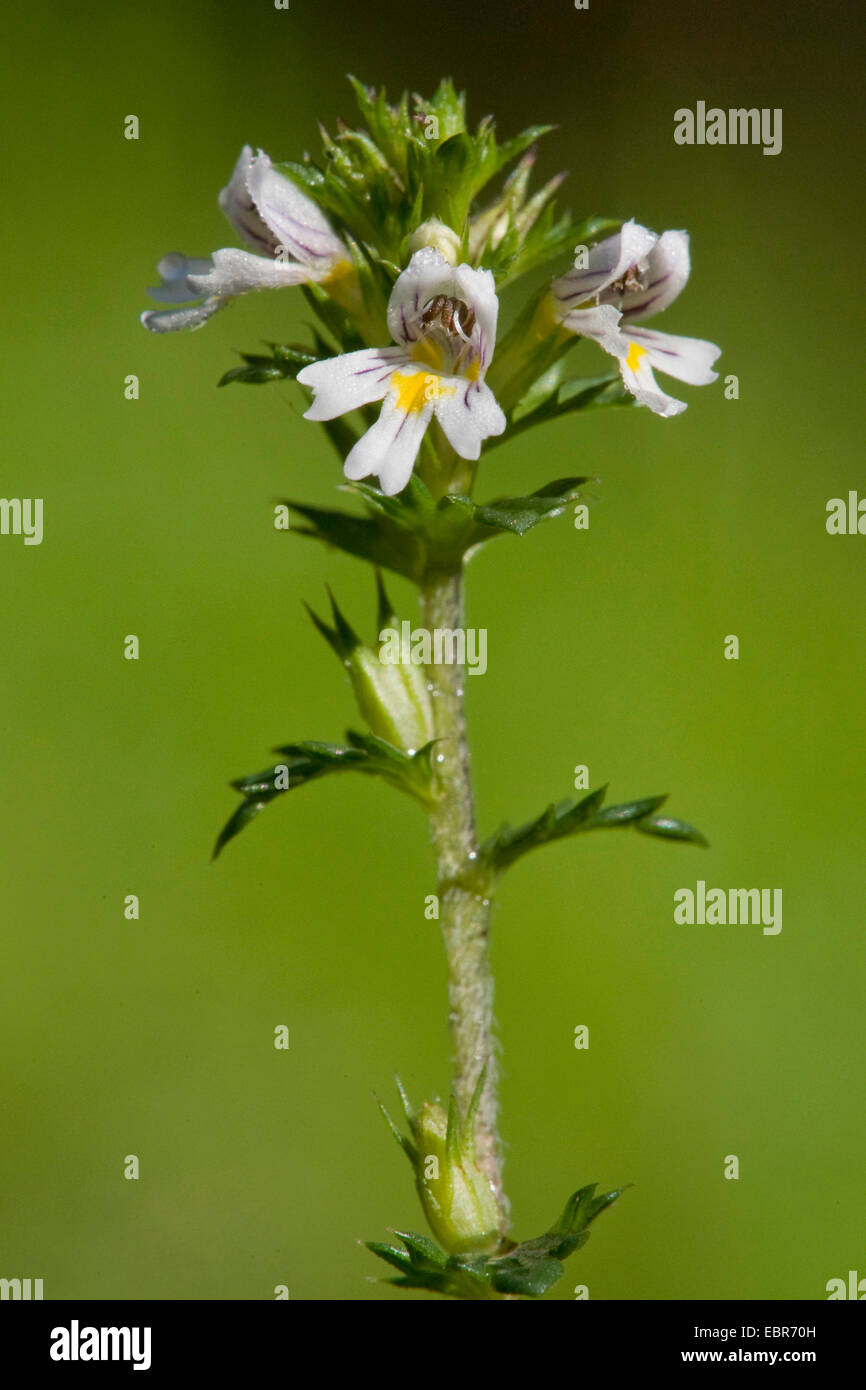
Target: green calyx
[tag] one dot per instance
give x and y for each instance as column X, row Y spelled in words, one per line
column 458, row 1200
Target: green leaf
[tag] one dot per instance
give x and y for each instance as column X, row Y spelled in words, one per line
column 581, row 1209
column 526, row 1270
column 282, row 364
column 409, row 772
column 549, row 238
column 456, row 172
column 666, row 828
column 342, row 637
column 390, row 126
column 625, row 814
column 409, row 509
column 411, row 533
column 577, row 393
column 305, row 762
column 513, row 148
column 447, row 105
column 507, row 844
column 356, row 535
column 528, row 1276
column 520, row 514
column 463, row 164
column 546, row 386
column 534, row 1266
column 424, row 1253
column 403, row 1140
column 391, row 1255
column 572, row 817
column 424, row 1265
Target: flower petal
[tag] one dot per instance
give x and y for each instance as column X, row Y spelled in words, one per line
column 637, row 375
column 607, row 262
column 600, row 322
column 226, row 274
column 293, row 219
column 170, row 320
column 668, row 266
column 353, row 379
column 468, row 415
column 390, row 447
column 237, row 272
column 173, row 270
column 477, row 288
column 238, row 206
column 687, row 359
column 426, row 275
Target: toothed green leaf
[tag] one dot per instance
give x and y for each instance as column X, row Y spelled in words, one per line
column 423, row 1252
column 305, row 762
column 526, row 1270
column 534, row 1266
column 391, row 1256
column 408, row 533
column 281, row 364
column 574, row 817
column 520, row 514
column 667, row 828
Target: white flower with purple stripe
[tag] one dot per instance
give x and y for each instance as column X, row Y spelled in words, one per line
column 443, row 321
column 294, row 242
column 628, row 278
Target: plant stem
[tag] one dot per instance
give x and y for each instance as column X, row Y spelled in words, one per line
column 463, row 889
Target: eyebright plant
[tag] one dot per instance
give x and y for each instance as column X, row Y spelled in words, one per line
column 402, row 250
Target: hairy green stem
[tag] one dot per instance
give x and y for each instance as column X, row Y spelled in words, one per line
column 463, row 890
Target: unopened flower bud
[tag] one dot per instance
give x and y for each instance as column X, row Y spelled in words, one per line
column 457, row 1198
column 436, row 234
column 392, row 696
column 393, row 699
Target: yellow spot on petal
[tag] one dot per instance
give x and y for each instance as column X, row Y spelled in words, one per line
column 428, row 352
column 415, row 389
column 635, row 355
column 546, row 319
column 341, row 270
column 344, row 287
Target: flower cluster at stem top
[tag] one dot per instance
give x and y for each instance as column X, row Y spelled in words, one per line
column 404, row 268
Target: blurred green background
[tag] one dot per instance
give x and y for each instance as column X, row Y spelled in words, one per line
column 154, row 1037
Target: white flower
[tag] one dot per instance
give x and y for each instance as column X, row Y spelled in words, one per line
column 629, row 277
column 294, row 239
column 443, row 320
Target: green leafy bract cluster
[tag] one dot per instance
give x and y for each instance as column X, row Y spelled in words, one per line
column 417, row 160
column 526, row 1270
